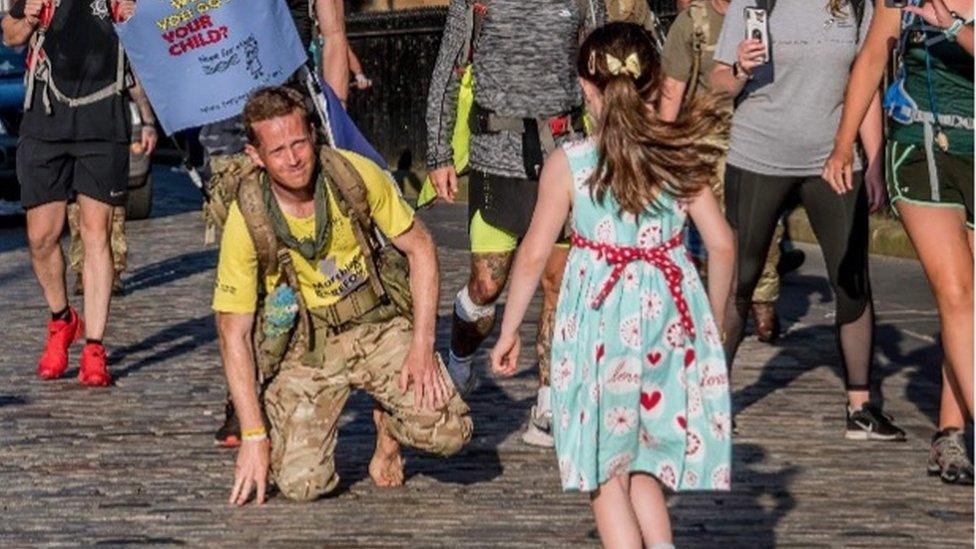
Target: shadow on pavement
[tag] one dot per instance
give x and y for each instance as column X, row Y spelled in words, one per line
column 12, row 400
column 747, row 516
column 170, row 342
column 170, row 269
column 794, row 358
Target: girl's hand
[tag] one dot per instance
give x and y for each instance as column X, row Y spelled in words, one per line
column 838, row 171
column 505, row 355
column 934, row 12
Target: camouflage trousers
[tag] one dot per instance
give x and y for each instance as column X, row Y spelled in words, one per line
column 76, row 250
column 305, row 399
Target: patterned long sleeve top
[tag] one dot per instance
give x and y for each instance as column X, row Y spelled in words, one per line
column 524, row 66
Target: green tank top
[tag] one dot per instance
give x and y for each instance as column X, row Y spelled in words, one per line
column 951, row 86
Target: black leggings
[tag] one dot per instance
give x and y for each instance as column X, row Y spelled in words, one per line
column 753, row 205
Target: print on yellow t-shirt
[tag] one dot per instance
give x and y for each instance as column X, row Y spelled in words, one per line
column 335, row 272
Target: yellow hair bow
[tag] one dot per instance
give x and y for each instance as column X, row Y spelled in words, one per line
column 629, row 65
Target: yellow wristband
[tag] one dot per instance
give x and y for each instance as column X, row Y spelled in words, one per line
column 258, row 433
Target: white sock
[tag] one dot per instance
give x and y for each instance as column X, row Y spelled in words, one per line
column 455, row 362
column 542, row 400
column 469, row 311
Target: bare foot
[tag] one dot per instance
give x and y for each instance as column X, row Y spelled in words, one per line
column 386, row 467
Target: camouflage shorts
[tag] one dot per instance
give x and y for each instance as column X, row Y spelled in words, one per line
column 304, row 401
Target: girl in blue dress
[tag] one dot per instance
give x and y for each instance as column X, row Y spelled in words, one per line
column 640, row 394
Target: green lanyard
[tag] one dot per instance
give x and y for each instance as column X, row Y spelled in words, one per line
column 307, row 247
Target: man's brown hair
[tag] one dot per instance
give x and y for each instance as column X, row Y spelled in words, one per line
column 271, row 102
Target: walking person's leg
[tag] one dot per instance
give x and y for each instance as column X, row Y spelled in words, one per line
column 948, row 457
column 614, row 514
column 100, row 179
column 941, row 242
column 767, row 292
column 840, row 223
column 651, row 510
column 44, row 226
column 120, row 249
column 539, row 429
column 44, row 172
column 76, row 251
column 752, row 207
column 95, row 220
column 474, row 307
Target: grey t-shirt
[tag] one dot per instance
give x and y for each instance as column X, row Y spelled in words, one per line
column 788, row 113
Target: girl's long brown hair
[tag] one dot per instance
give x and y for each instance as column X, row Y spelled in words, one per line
column 640, row 155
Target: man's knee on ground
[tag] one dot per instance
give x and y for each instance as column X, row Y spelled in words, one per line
column 306, row 484
column 302, row 492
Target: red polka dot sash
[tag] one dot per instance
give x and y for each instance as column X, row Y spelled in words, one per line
column 620, row 256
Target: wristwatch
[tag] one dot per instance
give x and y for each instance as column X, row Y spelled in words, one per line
column 958, row 22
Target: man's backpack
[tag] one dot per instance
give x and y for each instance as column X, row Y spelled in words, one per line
column 39, row 69
column 700, row 37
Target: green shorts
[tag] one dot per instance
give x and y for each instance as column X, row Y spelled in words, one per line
column 489, row 239
column 930, row 177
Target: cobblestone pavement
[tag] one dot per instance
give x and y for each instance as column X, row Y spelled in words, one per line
column 135, row 464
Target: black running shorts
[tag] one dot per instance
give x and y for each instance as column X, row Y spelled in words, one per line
column 56, row 171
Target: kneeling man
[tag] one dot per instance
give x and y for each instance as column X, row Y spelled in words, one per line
column 314, row 317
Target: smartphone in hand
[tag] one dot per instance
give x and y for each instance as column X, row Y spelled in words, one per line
column 757, row 28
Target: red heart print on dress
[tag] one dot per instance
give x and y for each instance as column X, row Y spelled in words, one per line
column 650, row 400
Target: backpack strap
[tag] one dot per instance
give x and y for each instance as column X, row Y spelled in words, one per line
column 767, row 5
column 350, row 193
column 273, row 257
column 699, row 43
column 586, row 9
column 250, row 199
column 40, row 69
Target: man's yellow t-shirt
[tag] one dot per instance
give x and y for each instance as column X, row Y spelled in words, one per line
column 336, row 271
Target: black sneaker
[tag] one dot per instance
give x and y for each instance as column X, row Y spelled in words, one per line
column 948, row 458
column 870, row 423
column 229, row 434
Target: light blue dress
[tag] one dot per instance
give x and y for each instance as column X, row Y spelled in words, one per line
column 636, row 385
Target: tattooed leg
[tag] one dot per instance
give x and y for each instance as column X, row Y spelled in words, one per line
column 552, row 278
column 489, row 272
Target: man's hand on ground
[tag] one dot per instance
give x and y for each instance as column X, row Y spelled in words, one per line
column 251, row 472
column 421, row 370
column 446, row 182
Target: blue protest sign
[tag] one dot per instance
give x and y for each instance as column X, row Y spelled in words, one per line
column 198, row 60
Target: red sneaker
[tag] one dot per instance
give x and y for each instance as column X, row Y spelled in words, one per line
column 60, row 335
column 94, row 372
